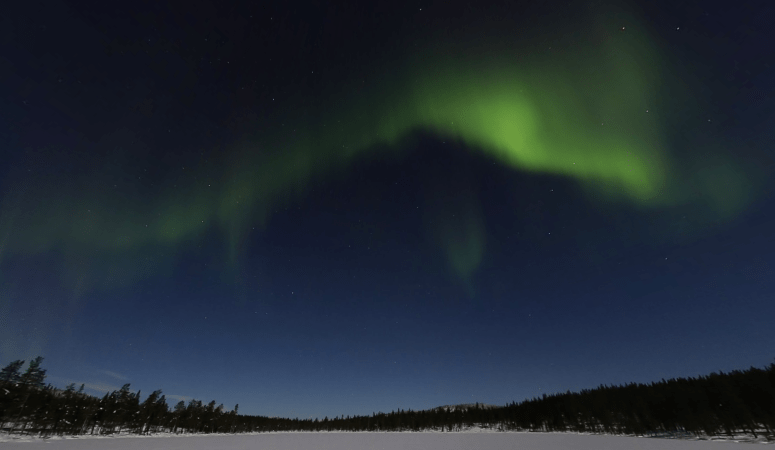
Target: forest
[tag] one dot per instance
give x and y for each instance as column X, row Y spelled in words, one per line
column 711, row 405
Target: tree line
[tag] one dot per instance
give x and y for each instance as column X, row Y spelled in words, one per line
column 719, row 403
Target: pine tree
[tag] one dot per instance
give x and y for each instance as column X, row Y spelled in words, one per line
column 150, row 410
column 180, row 409
column 234, row 417
column 10, row 373
column 34, row 375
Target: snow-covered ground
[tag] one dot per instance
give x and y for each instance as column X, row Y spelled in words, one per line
column 472, row 439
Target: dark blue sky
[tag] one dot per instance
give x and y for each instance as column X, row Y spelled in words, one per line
column 405, row 274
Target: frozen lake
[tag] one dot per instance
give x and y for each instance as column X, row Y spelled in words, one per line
column 372, row 441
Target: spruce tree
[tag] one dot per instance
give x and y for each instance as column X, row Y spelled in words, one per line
column 34, row 375
column 10, row 373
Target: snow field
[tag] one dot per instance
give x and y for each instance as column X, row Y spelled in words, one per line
column 369, row 441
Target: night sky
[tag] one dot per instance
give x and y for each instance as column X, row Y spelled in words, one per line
column 314, row 209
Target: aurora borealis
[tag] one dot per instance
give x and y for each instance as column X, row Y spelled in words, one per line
column 291, row 182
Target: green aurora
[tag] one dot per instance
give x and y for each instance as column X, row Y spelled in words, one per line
column 582, row 114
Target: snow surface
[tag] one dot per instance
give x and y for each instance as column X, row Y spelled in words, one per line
column 474, row 439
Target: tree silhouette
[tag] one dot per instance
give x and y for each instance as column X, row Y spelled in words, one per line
column 740, row 401
column 10, row 373
column 34, row 375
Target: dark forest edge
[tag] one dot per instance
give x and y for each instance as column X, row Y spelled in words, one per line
column 712, row 405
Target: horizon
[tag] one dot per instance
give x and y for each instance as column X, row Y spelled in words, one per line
column 313, row 210
column 177, row 399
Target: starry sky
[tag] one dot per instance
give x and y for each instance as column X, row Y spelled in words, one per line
column 323, row 208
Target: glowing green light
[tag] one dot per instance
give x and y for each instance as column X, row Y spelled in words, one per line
column 580, row 114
